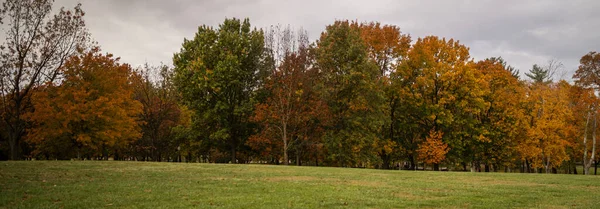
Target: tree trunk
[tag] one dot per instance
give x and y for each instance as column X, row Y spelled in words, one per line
column 14, row 146
column 298, row 163
column 547, row 165
column 233, row 152
column 385, row 159
column 286, row 160
column 413, row 166
column 436, row 167
column 585, row 145
column 16, row 128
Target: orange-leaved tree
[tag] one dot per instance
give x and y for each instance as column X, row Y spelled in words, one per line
column 433, row 150
column 440, row 89
column 584, row 104
column 92, row 110
column 588, row 76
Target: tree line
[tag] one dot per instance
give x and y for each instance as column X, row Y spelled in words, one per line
column 364, row 94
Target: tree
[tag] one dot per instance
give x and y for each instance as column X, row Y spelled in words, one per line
column 155, row 91
column 37, row 45
column 440, row 90
column 584, row 104
column 219, row 74
column 433, row 150
column 512, row 70
column 549, row 113
column 287, row 114
column 387, row 47
column 502, row 120
column 587, row 76
column 588, row 73
column 350, row 86
column 92, row 109
column 385, row 44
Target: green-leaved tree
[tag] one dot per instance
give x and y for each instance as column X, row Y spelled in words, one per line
column 219, row 74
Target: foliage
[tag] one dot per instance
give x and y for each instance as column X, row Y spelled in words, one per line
column 363, row 95
column 92, row 109
column 293, row 115
column 546, row 142
column 502, row 121
column 586, row 76
column 37, row 45
column 539, row 75
column 433, row 150
column 218, row 75
column 160, row 111
column 354, row 99
column 441, row 90
column 387, row 47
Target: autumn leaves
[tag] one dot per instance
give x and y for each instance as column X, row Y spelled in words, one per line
column 361, row 95
column 93, row 108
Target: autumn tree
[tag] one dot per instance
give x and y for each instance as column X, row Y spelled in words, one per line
column 588, row 73
column 433, row 150
column 288, row 114
column 502, row 120
column 92, row 109
column 512, row 70
column 441, row 90
column 160, row 111
column 37, row 45
column 218, row 74
column 549, row 112
column 584, row 104
column 385, row 44
column 350, row 86
column 587, row 76
column 386, row 47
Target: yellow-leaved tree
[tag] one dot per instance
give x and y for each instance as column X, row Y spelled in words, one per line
column 549, row 113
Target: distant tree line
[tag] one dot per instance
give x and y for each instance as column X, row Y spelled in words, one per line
column 362, row 95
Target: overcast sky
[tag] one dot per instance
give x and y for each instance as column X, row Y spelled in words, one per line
column 522, row 32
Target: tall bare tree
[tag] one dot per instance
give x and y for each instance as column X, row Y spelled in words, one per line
column 37, row 44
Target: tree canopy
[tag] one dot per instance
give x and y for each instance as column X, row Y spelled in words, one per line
column 363, row 94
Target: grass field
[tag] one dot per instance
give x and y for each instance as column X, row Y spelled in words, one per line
column 108, row 184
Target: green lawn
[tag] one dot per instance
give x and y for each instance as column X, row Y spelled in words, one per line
column 108, row 184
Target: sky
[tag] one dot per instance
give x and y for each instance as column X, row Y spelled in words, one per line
column 523, row 32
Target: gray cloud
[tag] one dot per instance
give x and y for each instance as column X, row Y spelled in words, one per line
column 523, row 32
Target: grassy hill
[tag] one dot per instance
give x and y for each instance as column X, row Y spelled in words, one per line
column 94, row 184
